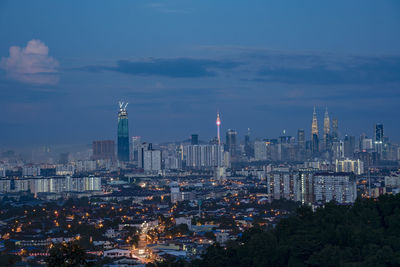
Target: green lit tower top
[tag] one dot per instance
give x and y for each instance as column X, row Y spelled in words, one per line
column 123, row 132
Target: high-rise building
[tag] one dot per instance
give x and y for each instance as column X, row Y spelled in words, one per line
column 282, row 184
column 306, row 184
column 378, row 133
column 301, row 144
column 142, row 148
column 152, row 160
column 311, row 187
column 104, row 149
column 327, row 125
column 314, row 125
column 195, row 139
column 350, row 165
column 248, row 148
column 367, row 145
column 198, row 156
column 315, row 145
column 314, row 134
column 349, row 146
column 339, row 187
column 123, row 133
column 378, row 139
column 361, row 141
column 301, row 139
column 135, row 146
column 335, row 130
column 260, row 150
column 231, row 137
column 2, row 171
column 327, row 128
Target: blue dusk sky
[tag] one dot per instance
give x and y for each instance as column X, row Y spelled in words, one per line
column 64, row 65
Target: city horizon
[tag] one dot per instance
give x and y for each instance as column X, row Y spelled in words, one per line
column 205, row 138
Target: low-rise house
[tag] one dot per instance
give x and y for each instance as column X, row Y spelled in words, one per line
column 117, row 253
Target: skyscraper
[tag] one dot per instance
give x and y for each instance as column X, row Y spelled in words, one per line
column 327, row 128
column 335, row 130
column 135, row 146
column 152, row 160
column 123, row 133
column 378, row 133
column 315, row 145
column 314, row 125
column 231, row 137
column 248, row 149
column 314, row 134
column 301, row 141
column 378, row 138
column 195, row 139
column 142, row 148
column 349, row 146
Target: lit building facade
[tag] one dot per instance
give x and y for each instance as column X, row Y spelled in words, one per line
column 350, row 165
column 338, row 187
column 198, row 156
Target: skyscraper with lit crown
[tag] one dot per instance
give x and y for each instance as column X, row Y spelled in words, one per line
column 327, row 129
column 314, row 125
column 314, row 134
column 327, row 125
column 123, row 133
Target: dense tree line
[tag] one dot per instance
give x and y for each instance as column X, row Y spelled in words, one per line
column 365, row 234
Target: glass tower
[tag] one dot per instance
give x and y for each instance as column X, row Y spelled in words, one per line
column 231, row 142
column 379, row 133
column 378, row 136
column 123, row 133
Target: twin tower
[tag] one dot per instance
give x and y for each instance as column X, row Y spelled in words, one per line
column 328, row 135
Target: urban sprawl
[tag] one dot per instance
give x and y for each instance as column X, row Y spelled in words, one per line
column 131, row 203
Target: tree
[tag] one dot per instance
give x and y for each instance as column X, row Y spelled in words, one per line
column 364, row 234
column 210, row 235
column 66, row 254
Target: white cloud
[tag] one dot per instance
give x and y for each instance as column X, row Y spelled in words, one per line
column 31, row 64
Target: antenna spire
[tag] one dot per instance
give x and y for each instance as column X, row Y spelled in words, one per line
column 218, row 131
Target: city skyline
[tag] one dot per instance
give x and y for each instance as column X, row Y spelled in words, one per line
column 258, row 133
column 320, row 116
column 176, row 63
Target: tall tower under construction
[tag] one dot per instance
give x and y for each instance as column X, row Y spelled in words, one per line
column 123, row 133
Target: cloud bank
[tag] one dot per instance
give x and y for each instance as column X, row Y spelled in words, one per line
column 170, row 67
column 31, row 64
column 332, row 71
